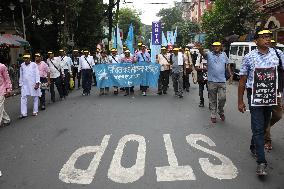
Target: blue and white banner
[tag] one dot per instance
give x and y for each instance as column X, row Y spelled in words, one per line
column 156, row 33
column 127, row 74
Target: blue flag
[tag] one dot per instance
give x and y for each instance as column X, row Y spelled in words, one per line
column 130, row 39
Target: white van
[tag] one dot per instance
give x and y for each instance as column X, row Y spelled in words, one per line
column 238, row 50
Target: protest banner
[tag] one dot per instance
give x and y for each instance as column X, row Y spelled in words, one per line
column 265, row 84
column 127, row 74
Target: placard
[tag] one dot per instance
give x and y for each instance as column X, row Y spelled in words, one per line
column 265, row 85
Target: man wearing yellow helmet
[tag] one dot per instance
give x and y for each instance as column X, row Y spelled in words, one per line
column 262, row 57
column 217, row 63
column 29, row 82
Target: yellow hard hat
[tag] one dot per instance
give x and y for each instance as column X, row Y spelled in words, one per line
column 216, row 44
column 113, row 50
column 273, row 41
column 27, row 56
column 176, row 49
column 264, row 32
column 37, row 54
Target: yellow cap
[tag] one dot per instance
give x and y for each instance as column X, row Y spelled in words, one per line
column 143, row 45
column 216, row 44
column 37, row 54
column 186, row 49
column 127, row 51
column 113, row 50
column 85, row 51
column 27, row 56
column 264, row 32
column 61, row 50
column 75, row 50
column 139, row 44
column 273, row 41
column 163, row 48
column 49, row 52
column 176, row 49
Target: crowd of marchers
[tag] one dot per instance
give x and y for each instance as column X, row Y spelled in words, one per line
column 212, row 70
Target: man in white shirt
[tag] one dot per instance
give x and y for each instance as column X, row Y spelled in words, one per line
column 86, row 63
column 56, row 75
column 66, row 63
column 75, row 72
column 163, row 60
column 29, row 82
column 114, row 58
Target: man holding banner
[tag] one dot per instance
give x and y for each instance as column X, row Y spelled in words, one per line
column 258, row 75
column 143, row 56
column 114, row 58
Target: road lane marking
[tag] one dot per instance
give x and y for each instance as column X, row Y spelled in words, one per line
column 173, row 172
column 120, row 174
column 69, row 174
column 227, row 170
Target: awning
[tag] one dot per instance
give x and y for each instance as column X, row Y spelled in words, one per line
column 13, row 40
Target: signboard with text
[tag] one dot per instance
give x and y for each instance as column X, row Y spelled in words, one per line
column 265, row 84
column 156, row 33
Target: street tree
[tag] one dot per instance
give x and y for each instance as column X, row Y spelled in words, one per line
column 169, row 17
column 127, row 16
column 228, row 17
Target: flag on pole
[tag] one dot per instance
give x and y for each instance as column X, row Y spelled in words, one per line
column 164, row 39
column 130, row 39
column 113, row 40
column 119, row 41
column 175, row 36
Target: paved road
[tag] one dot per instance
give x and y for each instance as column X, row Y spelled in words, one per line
column 117, row 142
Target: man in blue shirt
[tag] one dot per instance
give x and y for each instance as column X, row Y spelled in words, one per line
column 143, row 56
column 262, row 57
column 217, row 63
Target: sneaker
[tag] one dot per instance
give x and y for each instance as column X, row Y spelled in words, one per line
column 180, row 96
column 22, row 116
column 213, row 120
column 144, row 94
column 115, row 92
column 222, row 117
column 165, row 92
column 261, row 169
column 42, row 108
column 187, row 90
column 0, row 174
column 6, row 124
column 34, row 113
column 159, row 93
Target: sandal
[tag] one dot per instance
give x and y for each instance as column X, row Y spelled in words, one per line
column 268, row 145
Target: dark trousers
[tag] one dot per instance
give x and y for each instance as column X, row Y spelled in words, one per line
column 186, row 83
column 95, row 80
column 42, row 98
column 66, row 82
column 163, row 81
column 260, row 117
column 129, row 90
column 87, row 80
column 76, row 74
column 58, row 82
column 201, row 89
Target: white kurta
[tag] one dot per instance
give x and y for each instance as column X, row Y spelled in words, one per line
column 29, row 76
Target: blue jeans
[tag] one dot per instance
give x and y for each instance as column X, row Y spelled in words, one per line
column 260, row 116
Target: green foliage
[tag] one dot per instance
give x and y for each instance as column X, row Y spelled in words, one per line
column 127, row 16
column 172, row 18
column 228, row 17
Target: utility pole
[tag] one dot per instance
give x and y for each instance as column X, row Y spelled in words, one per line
column 117, row 15
column 65, row 32
column 110, row 20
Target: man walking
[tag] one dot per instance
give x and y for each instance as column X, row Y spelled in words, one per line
column 114, row 58
column 5, row 89
column 29, row 83
column 187, row 69
column 56, row 76
column 75, row 72
column 66, row 63
column 177, row 62
column 143, row 56
column 44, row 78
column 86, row 63
column 163, row 82
column 217, row 63
column 201, row 69
column 262, row 57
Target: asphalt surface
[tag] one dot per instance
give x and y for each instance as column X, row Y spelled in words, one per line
column 36, row 152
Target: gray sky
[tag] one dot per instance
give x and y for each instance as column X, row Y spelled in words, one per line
column 149, row 11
